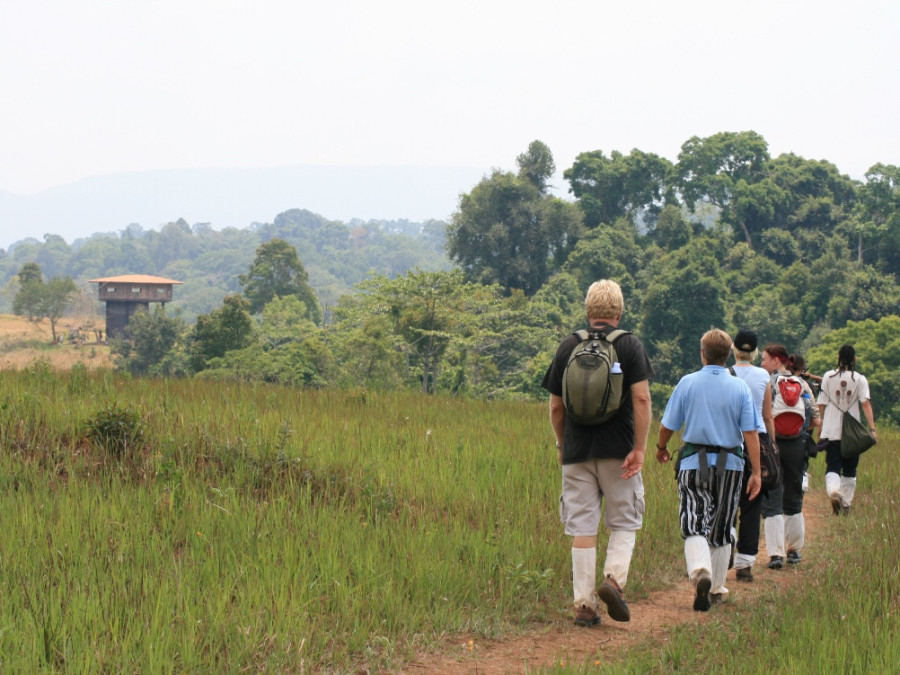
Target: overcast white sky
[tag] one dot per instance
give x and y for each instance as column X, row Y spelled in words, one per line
column 93, row 87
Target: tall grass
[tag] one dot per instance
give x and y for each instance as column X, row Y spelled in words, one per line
column 266, row 528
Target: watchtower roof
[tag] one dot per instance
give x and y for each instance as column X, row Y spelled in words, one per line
column 135, row 279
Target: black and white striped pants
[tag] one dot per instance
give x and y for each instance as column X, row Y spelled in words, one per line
column 709, row 511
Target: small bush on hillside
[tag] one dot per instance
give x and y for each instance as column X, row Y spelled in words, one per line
column 115, row 430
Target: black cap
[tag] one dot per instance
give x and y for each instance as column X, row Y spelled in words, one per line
column 745, row 341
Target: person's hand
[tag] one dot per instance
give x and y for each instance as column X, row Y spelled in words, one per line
column 633, row 463
column 662, row 455
column 754, row 485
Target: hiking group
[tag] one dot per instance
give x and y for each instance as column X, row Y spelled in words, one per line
column 747, row 437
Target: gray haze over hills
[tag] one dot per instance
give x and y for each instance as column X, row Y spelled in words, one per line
column 233, row 198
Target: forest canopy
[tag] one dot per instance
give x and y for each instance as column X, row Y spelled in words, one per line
column 726, row 235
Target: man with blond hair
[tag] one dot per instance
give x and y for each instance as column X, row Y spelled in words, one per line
column 602, row 463
column 719, row 420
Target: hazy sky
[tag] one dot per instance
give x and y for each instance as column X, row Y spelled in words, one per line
column 91, row 87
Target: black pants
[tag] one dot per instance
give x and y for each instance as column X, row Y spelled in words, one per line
column 787, row 499
column 749, row 511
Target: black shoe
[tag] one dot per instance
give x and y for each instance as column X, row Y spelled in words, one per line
column 614, row 599
column 716, row 598
column 701, row 594
column 794, row 558
column 744, row 574
column 776, row 562
column 845, row 510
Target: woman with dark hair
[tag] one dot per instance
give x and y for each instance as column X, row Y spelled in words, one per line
column 842, row 390
column 782, row 507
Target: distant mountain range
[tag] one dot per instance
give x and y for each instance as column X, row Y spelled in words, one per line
column 234, row 198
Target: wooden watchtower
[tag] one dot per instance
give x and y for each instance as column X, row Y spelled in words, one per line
column 130, row 293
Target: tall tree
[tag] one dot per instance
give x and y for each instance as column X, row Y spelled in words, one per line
column 536, row 165
column 58, row 294
column 609, row 188
column 710, row 168
column 153, row 336
column 508, row 232
column 37, row 300
column 880, row 207
column 27, row 301
column 228, row 328
column 277, row 271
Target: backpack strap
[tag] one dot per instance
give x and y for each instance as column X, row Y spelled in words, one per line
column 615, row 334
column 610, row 336
column 732, row 371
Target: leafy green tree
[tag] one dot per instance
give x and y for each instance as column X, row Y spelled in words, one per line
column 711, row 169
column 57, row 296
column 672, row 230
column 879, row 200
column 793, row 197
column 620, row 186
column 536, row 165
column 367, row 351
column 277, row 272
column 37, row 300
column 860, row 292
column 508, row 232
column 419, row 313
column 608, row 252
column 30, row 295
column 684, row 297
column 228, row 328
column 288, row 349
column 153, row 336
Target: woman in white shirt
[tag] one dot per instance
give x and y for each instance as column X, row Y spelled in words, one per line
column 842, row 389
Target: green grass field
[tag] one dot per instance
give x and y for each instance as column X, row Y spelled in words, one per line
column 252, row 528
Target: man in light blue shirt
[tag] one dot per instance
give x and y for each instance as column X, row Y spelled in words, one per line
column 718, row 416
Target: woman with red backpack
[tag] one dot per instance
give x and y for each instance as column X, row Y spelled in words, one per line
column 782, row 507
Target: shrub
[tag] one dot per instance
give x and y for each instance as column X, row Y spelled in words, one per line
column 116, row 430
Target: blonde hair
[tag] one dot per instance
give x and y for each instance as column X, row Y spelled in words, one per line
column 604, row 300
column 716, row 344
column 740, row 355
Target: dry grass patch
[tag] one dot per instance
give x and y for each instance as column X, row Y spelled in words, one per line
column 24, row 342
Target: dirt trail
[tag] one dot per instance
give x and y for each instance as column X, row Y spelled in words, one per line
column 562, row 642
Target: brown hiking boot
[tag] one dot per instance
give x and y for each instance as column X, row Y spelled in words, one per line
column 586, row 616
column 744, row 574
column 836, row 505
column 614, row 598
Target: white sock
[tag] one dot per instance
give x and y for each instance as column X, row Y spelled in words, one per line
column 774, row 526
column 832, row 485
column 618, row 555
column 848, row 489
column 720, row 556
column 584, row 576
column 794, row 532
column 697, row 556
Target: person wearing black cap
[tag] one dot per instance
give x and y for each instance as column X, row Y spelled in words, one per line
column 745, row 351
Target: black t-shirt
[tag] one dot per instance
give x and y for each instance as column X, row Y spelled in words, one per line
column 613, row 439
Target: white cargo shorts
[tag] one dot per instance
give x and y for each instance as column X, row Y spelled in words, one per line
column 587, row 485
